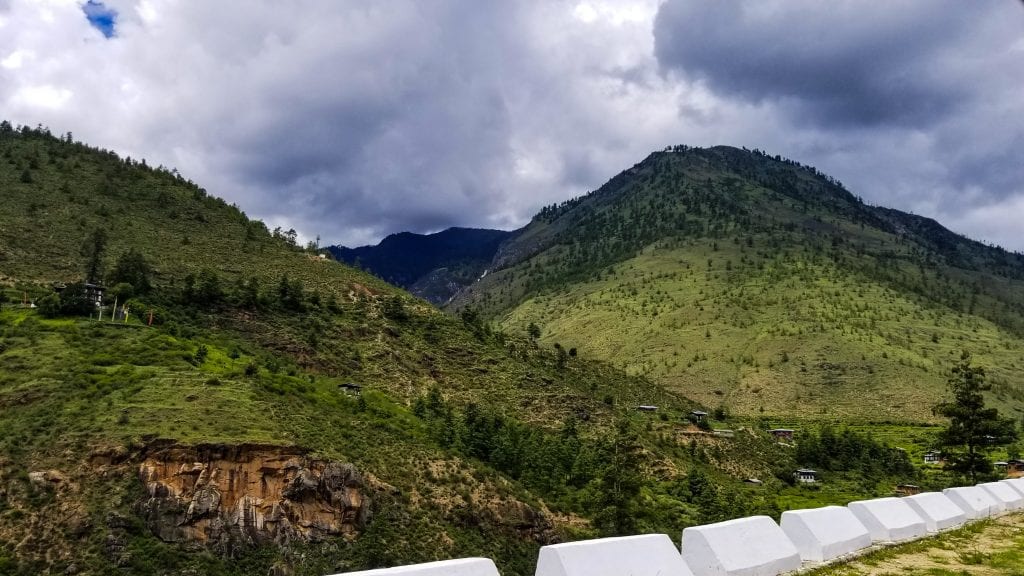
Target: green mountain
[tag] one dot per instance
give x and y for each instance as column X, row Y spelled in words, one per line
column 760, row 285
column 262, row 407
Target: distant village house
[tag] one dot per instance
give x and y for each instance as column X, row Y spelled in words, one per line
column 93, row 292
column 782, row 434
column 933, row 457
column 806, row 476
column 350, row 388
column 907, row 489
column 698, row 415
column 1015, row 468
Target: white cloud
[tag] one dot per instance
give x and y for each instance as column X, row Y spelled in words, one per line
column 15, row 59
column 354, row 120
column 45, row 96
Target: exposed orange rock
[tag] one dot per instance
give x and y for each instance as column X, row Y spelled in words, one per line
column 222, row 496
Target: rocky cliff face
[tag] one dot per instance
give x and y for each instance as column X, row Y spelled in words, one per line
column 226, row 496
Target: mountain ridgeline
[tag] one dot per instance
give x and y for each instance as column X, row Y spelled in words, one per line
column 759, row 284
column 432, row 266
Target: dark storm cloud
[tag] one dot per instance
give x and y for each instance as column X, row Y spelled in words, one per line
column 844, row 64
column 914, row 104
column 355, row 120
column 402, row 128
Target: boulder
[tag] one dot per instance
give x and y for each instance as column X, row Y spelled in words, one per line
column 226, row 496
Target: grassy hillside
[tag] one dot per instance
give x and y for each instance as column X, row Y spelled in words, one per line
column 470, row 441
column 762, row 286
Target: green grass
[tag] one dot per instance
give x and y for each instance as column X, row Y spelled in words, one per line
column 990, row 547
column 768, row 341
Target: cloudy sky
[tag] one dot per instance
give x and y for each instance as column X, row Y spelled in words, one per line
column 352, row 120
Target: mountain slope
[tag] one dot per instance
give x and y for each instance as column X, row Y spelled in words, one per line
column 251, row 344
column 431, row 266
column 761, row 285
column 373, row 429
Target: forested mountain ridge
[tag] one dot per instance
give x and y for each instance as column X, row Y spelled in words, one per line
column 763, row 285
column 431, row 266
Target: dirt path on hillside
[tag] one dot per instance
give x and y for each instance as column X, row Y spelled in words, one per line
column 993, row 549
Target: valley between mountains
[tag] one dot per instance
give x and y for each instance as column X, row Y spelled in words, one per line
column 759, row 285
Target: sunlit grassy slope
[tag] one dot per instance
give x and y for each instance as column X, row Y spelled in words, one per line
column 756, row 284
column 791, row 338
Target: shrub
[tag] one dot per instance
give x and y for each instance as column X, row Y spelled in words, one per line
column 121, row 292
column 201, row 354
column 75, row 302
column 49, row 305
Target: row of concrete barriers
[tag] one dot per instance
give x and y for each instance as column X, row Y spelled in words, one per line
column 757, row 546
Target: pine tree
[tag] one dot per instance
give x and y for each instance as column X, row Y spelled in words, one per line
column 132, row 268
column 620, row 483
column 973, row 429
column 533, row 331
column 92, row 249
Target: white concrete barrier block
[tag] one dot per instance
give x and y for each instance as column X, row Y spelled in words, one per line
column 1002, row 492
column 754, row 546
column 462, row 567
column 975, row 502
column 647, row 555
column 889, row 519
column 1015, row 483
column 937, row 510
column 822, row 534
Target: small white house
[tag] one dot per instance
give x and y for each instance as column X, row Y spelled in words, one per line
column 806, row 476
column 933, row 457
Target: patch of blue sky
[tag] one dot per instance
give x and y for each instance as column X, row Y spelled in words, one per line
column 101, row 17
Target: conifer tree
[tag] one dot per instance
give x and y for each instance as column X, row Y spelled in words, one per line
column 973, row 428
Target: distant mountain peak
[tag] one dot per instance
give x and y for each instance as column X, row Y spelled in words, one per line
column 432, row 266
